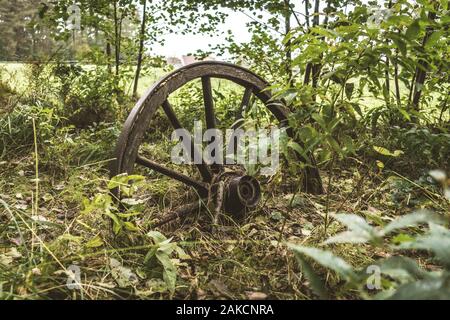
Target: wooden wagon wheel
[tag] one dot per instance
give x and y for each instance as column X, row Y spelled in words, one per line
column 241, row 191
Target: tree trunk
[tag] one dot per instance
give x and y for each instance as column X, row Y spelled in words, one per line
column 141, row 50
column 421, row 70
column 287, row 17
column 116, row 38
column 108, row 55
column 396, row 81
column 387, row 81
column 316, row 67
column 308, row 24
column 387, row 71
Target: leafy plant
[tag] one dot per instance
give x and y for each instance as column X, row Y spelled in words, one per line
column 162, row 254
column 400, row 277
column 104, row 203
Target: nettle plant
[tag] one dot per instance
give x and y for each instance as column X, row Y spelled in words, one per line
column 398, row 276
column 160, row 262
column 121, row 213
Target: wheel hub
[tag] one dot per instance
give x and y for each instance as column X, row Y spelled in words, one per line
column 242, row 193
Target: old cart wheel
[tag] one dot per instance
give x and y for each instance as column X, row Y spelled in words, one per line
column 241, row 191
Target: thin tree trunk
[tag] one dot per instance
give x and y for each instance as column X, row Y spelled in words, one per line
column 108, row 55
column 316, row 67
column 141, row 50
column 308, row 69
column 287, row 17
column 308, row 24
column 421, row 70
column 396, row 81
column 116, row 39
column 387, row 70
column 387, row 81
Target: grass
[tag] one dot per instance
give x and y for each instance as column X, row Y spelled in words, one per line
column 15, row 74
column 48, row 178
column 232, row 261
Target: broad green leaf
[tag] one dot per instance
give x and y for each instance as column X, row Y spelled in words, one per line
column 117, row 224
column 428, row 289
column 348, row 237
column 297, row 148
column 354, row 223
column 359, row 230
column 437, row 240
column 317, row 285
column 405, row 114
column 402, row 237
column 400, row 44
column 95, row 242
column 413, row 30
column 326, row 259
column 157, row 237
column 411, row 220
column 130, row 226
column 319, row 119
column 403, row 269
column 433, row 39
column 170, row 272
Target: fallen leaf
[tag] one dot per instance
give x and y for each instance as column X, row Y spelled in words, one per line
column 256, row 295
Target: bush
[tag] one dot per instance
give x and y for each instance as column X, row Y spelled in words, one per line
column 398, row 276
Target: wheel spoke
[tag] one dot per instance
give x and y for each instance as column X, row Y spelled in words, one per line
column 210, row 114
column 188, row 143
column 209, row 103
column 245, row 104
column 200, row 187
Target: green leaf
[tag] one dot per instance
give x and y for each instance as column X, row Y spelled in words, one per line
column 326, row 259
column 297, row 148
column 428, row 289
column 405, row 114
column 437, row 240
column 117, row 224
column 403, row 269
column 402, row 237
column 170, row 272
column 349, row 88
column 95, row 242
column 317, row 285
column 388, row 153
column 319, row 119
column 157, row 237
column 354, row 223
column 433, row 39
column 130, row 226
column 348, row 237
column 359, row 230
column 400, row 44
column 411, row 220
column 413, row 30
